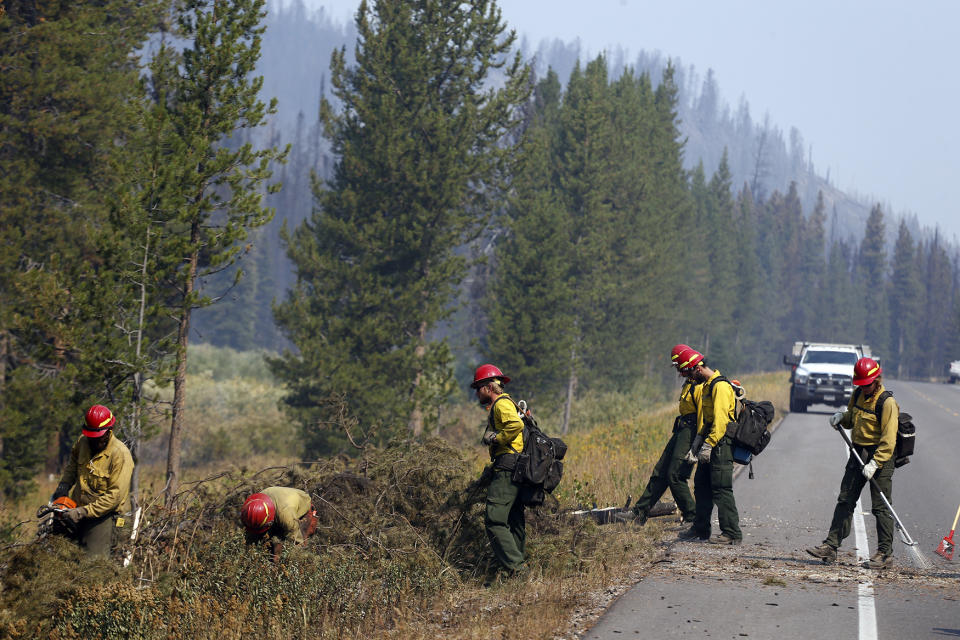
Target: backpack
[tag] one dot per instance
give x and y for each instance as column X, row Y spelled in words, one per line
column 539, row 465
column 749, row 429
column 906, row 430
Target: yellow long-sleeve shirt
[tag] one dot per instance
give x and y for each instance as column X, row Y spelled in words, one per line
column 101, row 482
column 716, row 410
column 292, row 504
column 690, row 395
column 506, row 423
column 868, row 428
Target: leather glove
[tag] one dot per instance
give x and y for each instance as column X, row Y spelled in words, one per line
column 704, row 455
column 835, row 420
column 62, row 489
column 75, row 515
column 691, row 457
column 489, row 437
column 869, row 469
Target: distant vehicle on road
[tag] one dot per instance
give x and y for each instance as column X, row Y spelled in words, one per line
column 954, row 371
column 822, row 373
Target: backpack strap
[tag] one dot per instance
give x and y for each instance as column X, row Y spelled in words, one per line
column 878, row 408
column 515, row 406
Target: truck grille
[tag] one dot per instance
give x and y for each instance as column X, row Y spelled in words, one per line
column 836, row 381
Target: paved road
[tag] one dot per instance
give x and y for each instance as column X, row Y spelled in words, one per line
column 770, row 588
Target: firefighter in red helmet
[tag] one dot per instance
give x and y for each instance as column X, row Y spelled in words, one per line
column 872, row 416
column 277, row 514
column 97, row 479
column 504, row 517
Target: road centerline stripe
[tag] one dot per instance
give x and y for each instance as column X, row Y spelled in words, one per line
column 866, row 603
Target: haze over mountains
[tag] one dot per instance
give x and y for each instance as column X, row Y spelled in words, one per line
column 295, row 65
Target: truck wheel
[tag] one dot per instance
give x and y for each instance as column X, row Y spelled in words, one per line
column 796, row 406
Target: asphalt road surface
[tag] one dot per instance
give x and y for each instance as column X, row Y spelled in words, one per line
column 770, row 588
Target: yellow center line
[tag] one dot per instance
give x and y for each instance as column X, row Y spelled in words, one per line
column 933, row 402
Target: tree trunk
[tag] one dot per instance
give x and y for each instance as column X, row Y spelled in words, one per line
column 180, row 377
column 571, row 391
column 136, row 421
column 416, row 416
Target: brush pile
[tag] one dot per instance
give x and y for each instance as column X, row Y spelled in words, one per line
column 398, row 526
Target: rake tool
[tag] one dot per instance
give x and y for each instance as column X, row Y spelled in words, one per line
column 946, row 545
column 913, row 548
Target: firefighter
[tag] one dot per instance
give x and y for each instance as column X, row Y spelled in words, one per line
column 713, row 450
column 672, row 469
column 874, row 438
column 504, row 518
column 97, row 479
column 277, row 514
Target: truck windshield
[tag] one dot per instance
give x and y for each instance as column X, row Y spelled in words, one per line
column 830, row 357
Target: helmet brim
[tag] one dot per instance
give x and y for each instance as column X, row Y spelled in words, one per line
column 94, row 434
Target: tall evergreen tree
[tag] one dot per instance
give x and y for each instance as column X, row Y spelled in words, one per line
column 418, row 142
column 529, row 300
column 904, row 297
column 204, row 196
column 872, row 271
column 810, row 307
column 68, row 69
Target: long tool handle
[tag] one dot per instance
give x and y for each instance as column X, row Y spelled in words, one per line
column 906, row 536
column 955, row 518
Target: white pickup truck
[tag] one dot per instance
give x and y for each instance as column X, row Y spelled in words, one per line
column 954, row 371
column 822, row 373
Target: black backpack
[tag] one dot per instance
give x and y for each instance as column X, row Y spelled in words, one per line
column 539, row 466
column 752, row 417
column 906, row 430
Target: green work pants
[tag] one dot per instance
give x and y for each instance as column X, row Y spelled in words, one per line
column 95, row 535
column 504, row 520
column 850, row 488
column 713, row 485
column 671, row 471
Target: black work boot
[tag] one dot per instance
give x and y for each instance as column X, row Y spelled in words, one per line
column 824, row 552
column 692, row 534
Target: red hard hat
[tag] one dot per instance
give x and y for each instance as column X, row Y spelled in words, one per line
column 258, row 512
column 689, row 359
column 488, row 372
column 99, row 420
column 866, row 371
column 676, row 351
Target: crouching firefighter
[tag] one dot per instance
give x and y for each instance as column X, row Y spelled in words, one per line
column 672, row 469
column 874, row 436
column 95, row 484
column 504, row 519
column 277, row 514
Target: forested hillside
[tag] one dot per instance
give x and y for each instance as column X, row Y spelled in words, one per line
column 567, row 217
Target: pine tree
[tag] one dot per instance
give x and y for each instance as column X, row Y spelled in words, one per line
column 872, row 270
column 903, row 297
column 201, row 196
column 419, row 158
column 68, row 71
column 529, row 300
column 810, row 307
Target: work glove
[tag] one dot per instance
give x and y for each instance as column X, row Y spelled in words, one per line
column 704, row 455
column 62, row 489
column 691, row 457
column 75, row 515
column 835, row 420
column 869, row 469
column 489, row 437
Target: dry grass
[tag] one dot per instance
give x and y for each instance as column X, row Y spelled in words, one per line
column 393, row 557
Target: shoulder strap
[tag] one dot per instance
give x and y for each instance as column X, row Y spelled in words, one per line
column 879, row 406
column 714, row 382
